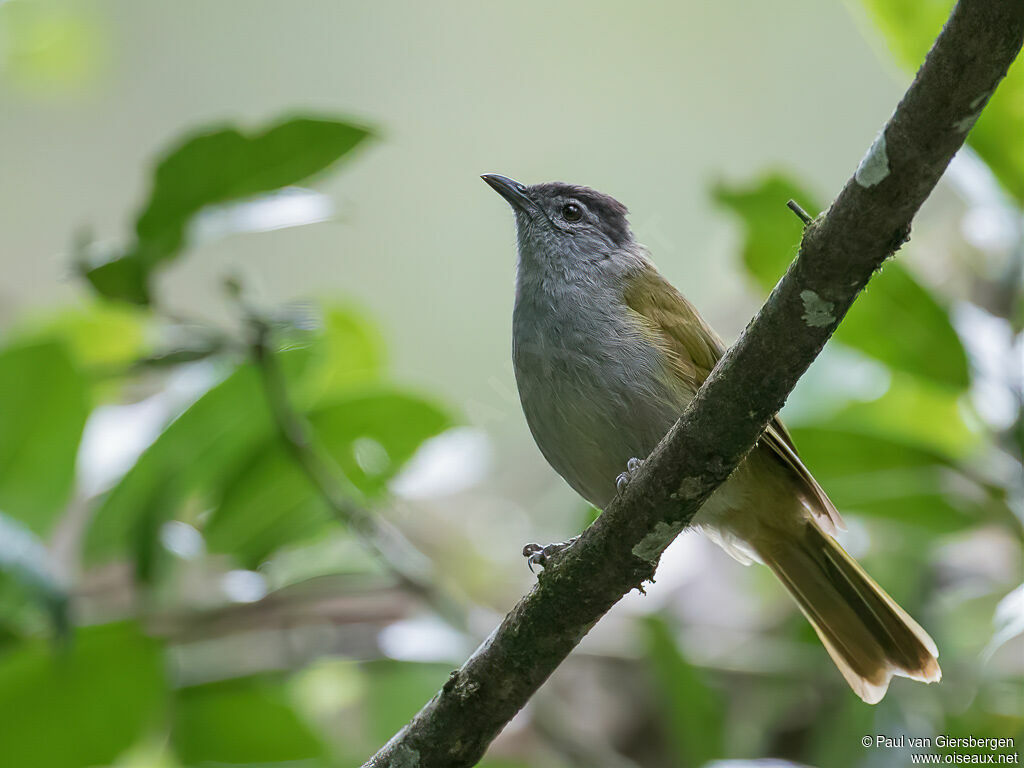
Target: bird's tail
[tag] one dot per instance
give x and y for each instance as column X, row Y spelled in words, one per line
column 869, row 637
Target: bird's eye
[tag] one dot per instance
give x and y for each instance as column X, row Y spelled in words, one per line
column 572, row 212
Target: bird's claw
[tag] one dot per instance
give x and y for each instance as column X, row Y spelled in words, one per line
column 632, row 467
column 536, row 554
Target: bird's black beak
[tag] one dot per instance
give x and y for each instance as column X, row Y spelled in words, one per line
column 511, row 190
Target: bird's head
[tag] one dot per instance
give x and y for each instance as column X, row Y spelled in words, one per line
column 564, row 224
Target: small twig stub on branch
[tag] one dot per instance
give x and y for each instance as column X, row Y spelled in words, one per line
column 803, row 215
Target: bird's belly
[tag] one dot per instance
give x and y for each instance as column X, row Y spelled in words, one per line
column 591, row 410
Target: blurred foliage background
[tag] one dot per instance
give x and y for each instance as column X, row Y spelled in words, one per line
column 263, row 477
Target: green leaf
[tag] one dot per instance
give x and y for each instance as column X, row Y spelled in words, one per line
column 926, row 345
column 838, row 725
column 910, row 28
column 772, row 233
column 271, row 502
column 96, row 334
column 213, row 167
column 978, row 722
column 104, row 338
column 81, row 707
column 208, row 441
column 880, row 476
column 897, row 321
column 915, row 411
column 43, row 407
column 241, row 721
column 344, row 351
column 372, row 435
column 349, row 352
column 396, row 690
column 25, row 565
column 226, row 431
column 693, row 712
column 123, row 278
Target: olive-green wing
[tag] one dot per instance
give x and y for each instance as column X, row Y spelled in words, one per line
column 692, row 348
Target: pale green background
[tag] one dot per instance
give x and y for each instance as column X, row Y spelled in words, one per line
column 650, row 102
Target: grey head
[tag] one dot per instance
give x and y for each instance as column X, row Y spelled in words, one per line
column 565, row 226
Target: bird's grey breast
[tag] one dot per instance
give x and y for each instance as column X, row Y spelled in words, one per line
column 590, row 383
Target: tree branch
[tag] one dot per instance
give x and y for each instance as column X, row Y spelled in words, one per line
column 839, row 252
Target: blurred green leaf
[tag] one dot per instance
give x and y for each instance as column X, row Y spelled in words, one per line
column 395, row 692
column 123, row 278
column 251, row 523
column 242, row 721
column 588, row 513
column 884, row 477
column 81, row 707
column 372, row 435
column 915, row 411
column 53, row 50
column 228, row 432
column 97, row 334
column 694, row 713
column 896, row 320
column 104, row 338
column 910, row 28
column 345, row 351
column 772, row 233
column 270, row 501
column 208, row 441
column 979, row 724
column 25, row 564
column 926, row 344
column 840, row 725
column 350, row 351
column 218, row 166
column 43, row 407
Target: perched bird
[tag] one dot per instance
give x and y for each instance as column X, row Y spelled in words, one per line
column 607, row 353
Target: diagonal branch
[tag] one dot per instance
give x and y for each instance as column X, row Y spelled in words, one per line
column 839, row 252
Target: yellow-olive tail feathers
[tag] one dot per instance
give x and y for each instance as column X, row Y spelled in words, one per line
column 869, row 637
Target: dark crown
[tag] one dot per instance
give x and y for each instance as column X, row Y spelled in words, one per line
column 611, row 214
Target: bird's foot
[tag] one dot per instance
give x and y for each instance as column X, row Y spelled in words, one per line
column 535, row 554
column 632, row 467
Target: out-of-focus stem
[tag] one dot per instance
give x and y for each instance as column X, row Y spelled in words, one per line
column 406, row 563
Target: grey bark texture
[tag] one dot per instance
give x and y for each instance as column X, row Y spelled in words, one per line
column 839, row 252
